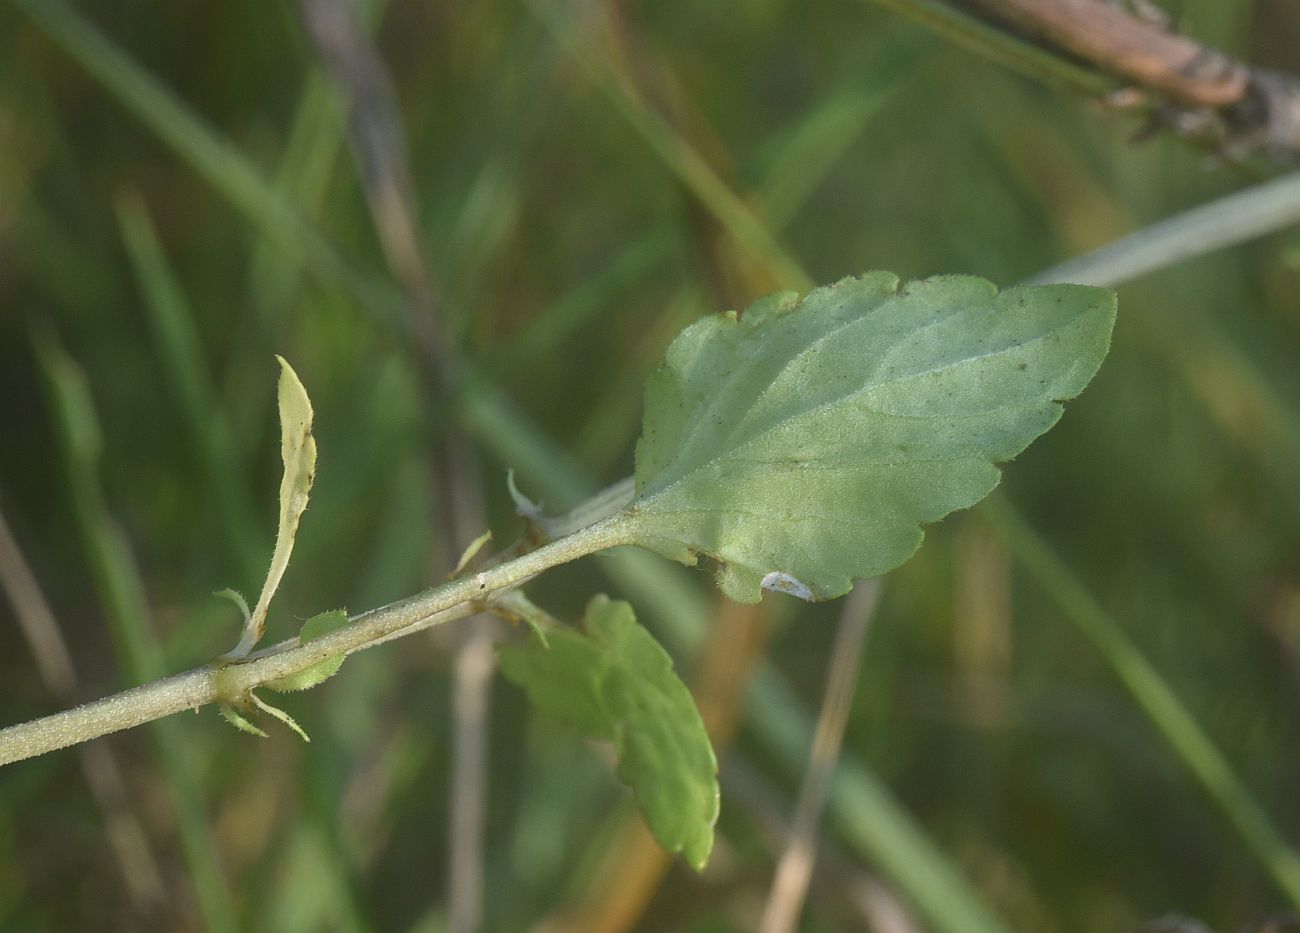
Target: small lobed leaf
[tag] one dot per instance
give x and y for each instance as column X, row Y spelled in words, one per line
column 615, row 682
column 317, row 626
column 802, row 444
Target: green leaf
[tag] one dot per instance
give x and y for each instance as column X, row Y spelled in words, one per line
column 616, row 683
column 524, row 507
column 298, row 452
column 251, row 701
column 237, row 719
column 516, row 607
column 802, row 444
column 315, row 627
column 279, row 714
column 237, row 598
column 467, row 556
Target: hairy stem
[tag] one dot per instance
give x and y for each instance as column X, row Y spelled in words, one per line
column 211, row 685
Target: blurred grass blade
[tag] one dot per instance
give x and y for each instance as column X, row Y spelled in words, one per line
column 377, row 137
column 311, row 150
column 868, row 817
column 803, row 155
column 141, row 873
column 737, row 217
column 314, row 141
column 1153, row 695
column 302, row 176
column 1227, row 221
column 481, row 408
column 979, row 37
column 229, row 171
column 181, row 355
column 224, row 166
column 547, row 330
column 121, row 590
column 312, row 891
column 1252, row 410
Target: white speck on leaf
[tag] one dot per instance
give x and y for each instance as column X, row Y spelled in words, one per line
column 781, row 582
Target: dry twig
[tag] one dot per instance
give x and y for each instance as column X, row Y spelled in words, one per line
column 794, row 868
column 1204, row 91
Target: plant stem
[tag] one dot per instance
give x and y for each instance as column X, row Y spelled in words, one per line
column 1235, row 218
column 211, row 685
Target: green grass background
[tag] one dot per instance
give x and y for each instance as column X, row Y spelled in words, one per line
column 156, row 251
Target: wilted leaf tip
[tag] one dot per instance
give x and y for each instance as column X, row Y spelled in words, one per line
column 298, row 451
column 295, row 405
